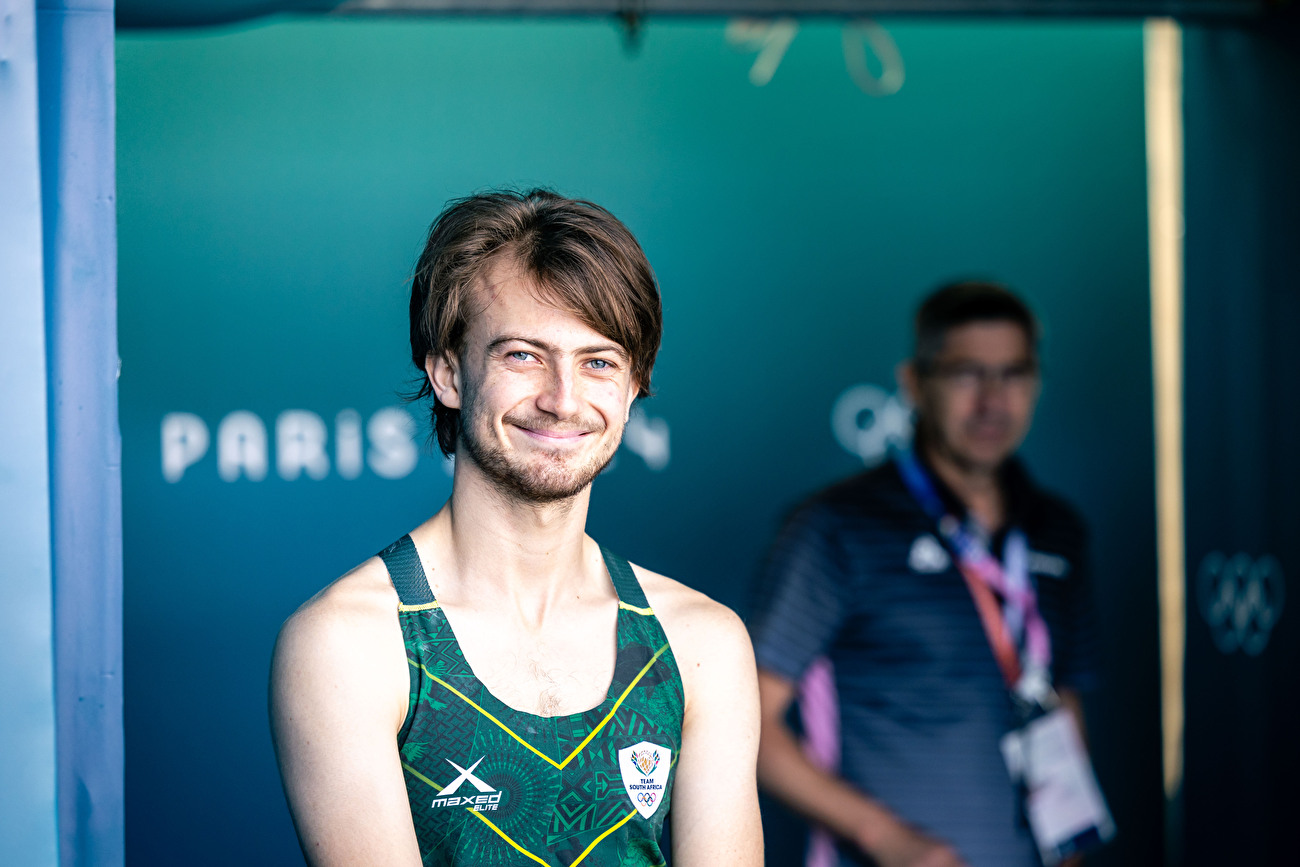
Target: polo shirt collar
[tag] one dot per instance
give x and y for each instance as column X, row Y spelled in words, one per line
column 1016, row 486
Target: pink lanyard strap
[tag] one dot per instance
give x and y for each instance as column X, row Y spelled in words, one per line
column 1018, row 616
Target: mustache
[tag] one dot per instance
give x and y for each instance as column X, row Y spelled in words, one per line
column 542, row 424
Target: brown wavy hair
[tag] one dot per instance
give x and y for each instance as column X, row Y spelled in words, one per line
column 580, row 257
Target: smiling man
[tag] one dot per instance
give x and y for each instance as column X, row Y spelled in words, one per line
column 931, row 616
column 580, row 701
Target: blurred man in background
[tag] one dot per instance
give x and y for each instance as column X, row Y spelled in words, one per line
column 932, row 616
column 579, row 699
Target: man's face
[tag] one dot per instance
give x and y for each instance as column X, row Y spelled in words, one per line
column 977, row 400
column 543, row 397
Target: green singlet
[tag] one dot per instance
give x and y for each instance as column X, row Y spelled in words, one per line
column 490, row 785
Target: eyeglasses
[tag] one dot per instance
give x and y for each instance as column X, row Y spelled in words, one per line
column 963, row 376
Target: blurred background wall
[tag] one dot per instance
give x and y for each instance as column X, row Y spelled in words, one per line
column 1242, row 461
column 276, row 178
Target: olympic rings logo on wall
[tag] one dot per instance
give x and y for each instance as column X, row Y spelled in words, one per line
column 1241, row 599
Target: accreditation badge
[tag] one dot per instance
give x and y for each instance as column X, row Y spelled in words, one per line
column 645, row 775
column 1062, row 801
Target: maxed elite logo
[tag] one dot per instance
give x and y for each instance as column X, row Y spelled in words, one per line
column 488, row 799
column 644, row 767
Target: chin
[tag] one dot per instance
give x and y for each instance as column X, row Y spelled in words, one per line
column 539, row 479
column 549, row 483
column 986, row 457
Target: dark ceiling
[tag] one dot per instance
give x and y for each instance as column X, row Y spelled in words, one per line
column 189, row 13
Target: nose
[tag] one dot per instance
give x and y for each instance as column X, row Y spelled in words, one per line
column 992, row 393
column 559, row 395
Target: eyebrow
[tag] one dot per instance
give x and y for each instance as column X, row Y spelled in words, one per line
column 555, row 350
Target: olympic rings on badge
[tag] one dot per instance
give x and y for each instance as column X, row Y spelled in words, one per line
column 647, row 798
column 1241, row 599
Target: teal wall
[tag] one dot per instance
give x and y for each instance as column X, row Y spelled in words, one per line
column 275, row 182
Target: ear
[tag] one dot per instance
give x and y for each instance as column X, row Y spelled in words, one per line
column 444, row 376
column 632, row 391
column 908, row 381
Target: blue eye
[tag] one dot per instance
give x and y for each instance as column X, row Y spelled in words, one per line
column 520, row 355
column 600, row 364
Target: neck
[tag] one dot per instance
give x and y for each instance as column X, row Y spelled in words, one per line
column 499, row 544
column 978, row 487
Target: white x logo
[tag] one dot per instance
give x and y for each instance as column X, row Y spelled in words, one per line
column 466, row 774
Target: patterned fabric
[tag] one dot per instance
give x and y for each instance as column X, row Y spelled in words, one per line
column 489, row 785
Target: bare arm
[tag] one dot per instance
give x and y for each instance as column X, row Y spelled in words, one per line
column 715, row 798
column 338, row 698
column 715, row 819
column 785, row 771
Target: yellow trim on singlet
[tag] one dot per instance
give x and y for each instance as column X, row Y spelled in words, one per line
column 422, row 777
column 557, row 765
column 505, row 728
column 427, row 606
column 609, row 716
column 587, row 851
column 469, row 701
column 506, row 837
column 503, row 836
column 475, row 813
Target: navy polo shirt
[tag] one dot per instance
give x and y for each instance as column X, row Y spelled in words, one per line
column 858, row 575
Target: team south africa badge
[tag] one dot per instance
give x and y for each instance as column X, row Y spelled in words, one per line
column 645, row 775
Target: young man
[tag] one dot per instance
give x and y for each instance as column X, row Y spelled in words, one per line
column 579, row 701
column 924, row 610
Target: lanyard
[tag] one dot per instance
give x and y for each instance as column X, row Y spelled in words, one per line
column 1017, row 621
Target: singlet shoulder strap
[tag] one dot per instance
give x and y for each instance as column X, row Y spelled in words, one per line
column 407, row 573
column 628, row 588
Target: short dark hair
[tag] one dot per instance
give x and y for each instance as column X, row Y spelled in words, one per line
column 962, row 303
column 581, row 258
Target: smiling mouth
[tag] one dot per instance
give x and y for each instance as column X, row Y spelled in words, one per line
column 552, row 436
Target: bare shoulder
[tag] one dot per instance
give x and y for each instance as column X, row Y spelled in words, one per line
column 339, row 694
column 345, row 638
column 687, row 611
column 708, row 639
column 361, row 602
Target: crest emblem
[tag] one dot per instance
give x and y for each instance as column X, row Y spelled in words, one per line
column 644, row 767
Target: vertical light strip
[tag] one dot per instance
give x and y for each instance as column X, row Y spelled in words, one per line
column 1164, row 127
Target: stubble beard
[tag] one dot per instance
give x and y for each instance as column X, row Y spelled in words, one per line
column 546, row 478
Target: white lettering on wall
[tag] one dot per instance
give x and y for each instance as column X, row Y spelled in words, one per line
column 347, row 443
column 867, row 420
column 302, row 441
column 300, row 445
column 304, row 445
column 241, row 447
column 184, row 441
column 648, row 439
column 393, row 453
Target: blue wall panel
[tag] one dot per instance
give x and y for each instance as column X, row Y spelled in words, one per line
column 75, row 44
column 27, row 805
